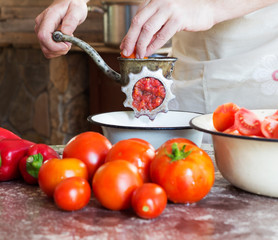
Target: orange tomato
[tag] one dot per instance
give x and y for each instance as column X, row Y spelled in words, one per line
column 53, row 171
column 133, row 54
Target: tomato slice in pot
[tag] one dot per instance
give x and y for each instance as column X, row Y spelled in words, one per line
column 247, row 123
column 224, row 116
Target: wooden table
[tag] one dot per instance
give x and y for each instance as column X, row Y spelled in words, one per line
column 225, row 213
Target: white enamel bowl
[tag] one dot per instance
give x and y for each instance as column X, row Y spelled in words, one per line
column 121, row 125
column 246, row 162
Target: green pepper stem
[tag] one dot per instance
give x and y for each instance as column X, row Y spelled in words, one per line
column 33, row 164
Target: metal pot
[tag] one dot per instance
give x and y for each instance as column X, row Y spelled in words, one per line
column 117, row 16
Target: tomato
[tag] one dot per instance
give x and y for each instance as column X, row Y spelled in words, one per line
column 137, row 151
column 275, row 133
column 54, row 170
column 268, row 126
column 72, row 193
column 247, row 123
column 232, row 130
column 90, row 147
column 174, row 140
column 149, row 200
column 133, row 54
column 224, row 116
column 148, row 93
column 114, row 183
column 184, row 171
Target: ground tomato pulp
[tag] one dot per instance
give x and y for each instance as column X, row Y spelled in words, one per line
column 148, row 94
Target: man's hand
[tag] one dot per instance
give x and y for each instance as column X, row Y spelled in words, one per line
column 63, row 15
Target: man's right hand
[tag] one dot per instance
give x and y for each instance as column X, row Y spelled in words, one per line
column 63, row 15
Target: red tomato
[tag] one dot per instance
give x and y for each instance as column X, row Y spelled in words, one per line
column 175, row 140
column 137, row 151
column 232, row 130
column 275, row 133
column 247, row 123
column 149, row 200
column 184, row 171
column 90, row 147
column 224, row 116
column 55, row 170
column 268, row 126
column 72, row 193
column 114, row 183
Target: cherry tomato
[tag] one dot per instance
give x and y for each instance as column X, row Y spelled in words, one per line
column 149, row 200
column 55, row 170
column 184, row 171
column 137, row 151
column 72, row 193
column 114, row 183
column 247, row 123
column 224, row 116
column 90, row 147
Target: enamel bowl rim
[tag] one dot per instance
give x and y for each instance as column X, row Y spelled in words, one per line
column 187, row 126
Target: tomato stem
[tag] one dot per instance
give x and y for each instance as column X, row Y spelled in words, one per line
column 178, row 154
column 145, row 208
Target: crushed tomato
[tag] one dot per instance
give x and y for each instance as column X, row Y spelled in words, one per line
column 148, row 94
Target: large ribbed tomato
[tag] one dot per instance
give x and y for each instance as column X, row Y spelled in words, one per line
column 184, row 171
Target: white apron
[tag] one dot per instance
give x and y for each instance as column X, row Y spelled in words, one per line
column 235, row 61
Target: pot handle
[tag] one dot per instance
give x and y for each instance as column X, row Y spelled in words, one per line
column 60, row 37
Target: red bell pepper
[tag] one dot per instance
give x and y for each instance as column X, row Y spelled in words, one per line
column 11, row 151
column 30, row 164
column 6, row 134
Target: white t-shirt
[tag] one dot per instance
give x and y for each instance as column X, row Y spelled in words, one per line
column 235, row 61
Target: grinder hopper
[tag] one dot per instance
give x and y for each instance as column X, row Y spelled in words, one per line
column 135, row 74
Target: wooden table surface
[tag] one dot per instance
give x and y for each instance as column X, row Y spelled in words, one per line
column 225, row 213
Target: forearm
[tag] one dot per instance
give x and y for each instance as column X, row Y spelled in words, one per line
column 230, row 9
